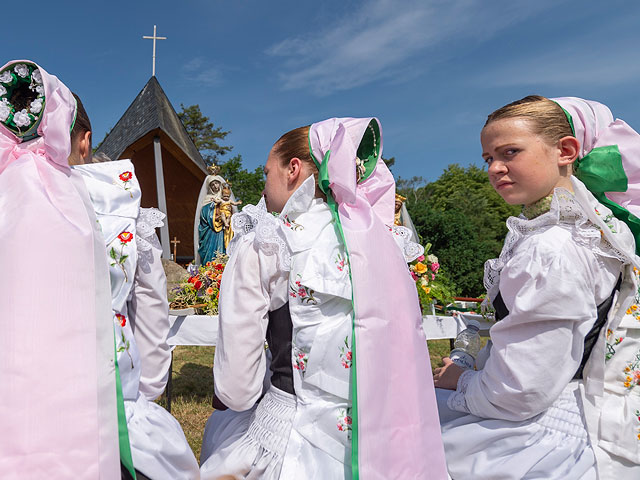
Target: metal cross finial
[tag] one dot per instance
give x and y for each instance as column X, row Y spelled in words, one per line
column 175, row 242
column 154, row 38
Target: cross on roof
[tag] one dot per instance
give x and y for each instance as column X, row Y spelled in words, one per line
column 154, row 38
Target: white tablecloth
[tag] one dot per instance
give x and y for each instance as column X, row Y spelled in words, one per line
column 203, row 329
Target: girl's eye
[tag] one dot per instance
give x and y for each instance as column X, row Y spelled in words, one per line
column 511, row 151
column 488, row 160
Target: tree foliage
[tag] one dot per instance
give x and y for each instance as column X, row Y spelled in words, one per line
column 204, row 134
column 246, row 185
column 463, row 217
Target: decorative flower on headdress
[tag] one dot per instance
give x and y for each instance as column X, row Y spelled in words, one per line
column 17, row 81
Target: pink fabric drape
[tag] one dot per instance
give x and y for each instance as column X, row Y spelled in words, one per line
column 595, row 127
column 398, row 426
column 48, row 379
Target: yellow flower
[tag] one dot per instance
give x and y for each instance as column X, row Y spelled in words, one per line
column 634, row 307
column 626, row 384
column 639, row 436
column 426, row 290
column 627, row 369
column 421, row 268
column 628, row 311
column 628, row 379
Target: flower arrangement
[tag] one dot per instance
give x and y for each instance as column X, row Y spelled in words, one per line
column 425, row 272
column 201, row 289
column 15, row 83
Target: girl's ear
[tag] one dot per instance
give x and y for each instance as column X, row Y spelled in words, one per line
column 294, row 170
column 569, row 149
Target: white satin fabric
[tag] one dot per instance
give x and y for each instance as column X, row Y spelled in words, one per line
column 140, row 315
column 306, row 435
column 521, row 415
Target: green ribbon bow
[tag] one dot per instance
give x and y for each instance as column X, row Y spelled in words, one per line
column 601, row 171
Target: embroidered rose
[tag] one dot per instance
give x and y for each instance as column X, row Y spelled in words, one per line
column 5, row 111
column 37, row 76
column 22, row 70
column 345, row 353
column 344, row 420
column 36, row 105
column 300, row 359
column 21, row 118
column 6, row 77
column 125, row 237
column 126, row 176
column 121, row 319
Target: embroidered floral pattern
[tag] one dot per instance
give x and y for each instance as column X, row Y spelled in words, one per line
column 632, row 373
column 344, row 421
column 124, row 180
column 611, row 343
column 305, row 294
column 125, row 347
column 121, row 319
column 300, row 359
column 118, row 258
column 341, row 262
column 637, row 414
column 291, row 223
column 345, row 353
column 607, row 220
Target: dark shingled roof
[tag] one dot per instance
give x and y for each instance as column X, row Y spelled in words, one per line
column 150, row 110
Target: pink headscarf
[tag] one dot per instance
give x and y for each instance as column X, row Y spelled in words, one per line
column 396, row 426
column 595, row 128
column 49, row 395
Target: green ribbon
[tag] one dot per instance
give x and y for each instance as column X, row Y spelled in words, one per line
column 601, row 171
column 123, row 433
column 323, row 183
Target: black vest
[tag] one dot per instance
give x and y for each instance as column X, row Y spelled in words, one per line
column 279, row 333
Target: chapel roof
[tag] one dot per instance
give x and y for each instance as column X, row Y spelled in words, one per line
column 151, row 110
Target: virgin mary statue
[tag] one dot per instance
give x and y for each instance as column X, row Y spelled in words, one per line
column 209, row 226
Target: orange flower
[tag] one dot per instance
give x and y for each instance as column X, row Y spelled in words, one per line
column 209, row 291
column 420, row 268
column 426, row 290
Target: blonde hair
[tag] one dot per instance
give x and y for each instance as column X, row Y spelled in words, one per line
column 545, row 117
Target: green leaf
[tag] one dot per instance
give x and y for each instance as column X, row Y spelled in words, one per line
column 123, row 259
column 113, row 254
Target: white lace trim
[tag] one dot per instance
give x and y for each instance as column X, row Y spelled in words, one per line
column 565, row 209
column 410, row 249
column 268, row 232
column 457, row 400
column 148, row 220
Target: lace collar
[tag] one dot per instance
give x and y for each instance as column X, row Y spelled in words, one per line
column 592, row 224
column 537, row 208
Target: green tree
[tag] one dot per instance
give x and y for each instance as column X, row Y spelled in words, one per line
column 246, row 185
column 204, row 134
column 464, row 218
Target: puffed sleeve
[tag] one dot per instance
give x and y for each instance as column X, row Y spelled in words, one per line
column 550, row 287
column 149, row 313
column 239, row 364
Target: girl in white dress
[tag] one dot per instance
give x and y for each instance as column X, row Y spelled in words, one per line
column 545, row 401
column 316, row 279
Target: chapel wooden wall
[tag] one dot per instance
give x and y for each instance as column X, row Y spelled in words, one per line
column 181, row 189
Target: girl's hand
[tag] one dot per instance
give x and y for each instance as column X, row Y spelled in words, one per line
column 447, row 376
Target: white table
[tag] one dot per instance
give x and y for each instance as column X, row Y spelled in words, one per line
column 203, row 329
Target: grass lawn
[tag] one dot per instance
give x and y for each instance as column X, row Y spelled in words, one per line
column 193, row 387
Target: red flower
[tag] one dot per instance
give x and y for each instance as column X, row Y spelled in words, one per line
column 126, row 176
column 122, row 319
column 125, row 237
column 347, row 420
column 340, row 427
column 219, row 267
column 192, row 279
column 302, row 293
column 197, row 284
column 348, row 355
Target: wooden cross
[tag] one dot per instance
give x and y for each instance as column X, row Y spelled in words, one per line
column 175, row 242
column 154, row 38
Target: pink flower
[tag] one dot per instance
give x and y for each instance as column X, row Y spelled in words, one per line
column 345, row 364
column 636, row 375
column 302, row 293
column 292, row 294
column 433, row 276
column 414, row 276
column 298, row 283
column 434, row 267
column 348, row 355
column 347, row 420
column 420, row 258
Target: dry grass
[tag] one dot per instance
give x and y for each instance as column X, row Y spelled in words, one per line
column 193, row 387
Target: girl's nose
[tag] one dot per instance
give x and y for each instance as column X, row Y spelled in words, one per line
column 497, row 167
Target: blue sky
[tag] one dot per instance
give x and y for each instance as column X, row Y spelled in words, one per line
column 430, row 70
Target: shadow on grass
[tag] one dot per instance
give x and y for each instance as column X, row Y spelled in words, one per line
column 193, row 381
